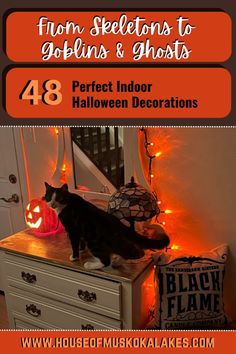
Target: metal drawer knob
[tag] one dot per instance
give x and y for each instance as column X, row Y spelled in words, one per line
column 32, row 310
column 87, row 326
column 87, row 296
column 28, row 278
column 12, row 178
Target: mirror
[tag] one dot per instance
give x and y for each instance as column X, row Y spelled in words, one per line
column 98, row 158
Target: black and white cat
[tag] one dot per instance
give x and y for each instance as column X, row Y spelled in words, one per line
column 103, row 234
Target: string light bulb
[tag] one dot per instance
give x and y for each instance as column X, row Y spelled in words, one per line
column 56, row 131
column 151, row 157
column 168, row 211
column 158, row 153
column 63, row 177
column 147, row 143
column 174, row 247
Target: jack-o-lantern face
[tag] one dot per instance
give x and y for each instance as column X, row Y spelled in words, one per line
column 32, row 215
column 39, row 217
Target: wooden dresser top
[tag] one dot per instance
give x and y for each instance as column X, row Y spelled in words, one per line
column 56, row 250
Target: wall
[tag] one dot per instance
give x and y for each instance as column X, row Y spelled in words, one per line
column 195, row 177
column 40, row 145
column 87, row 175
column 85, row 178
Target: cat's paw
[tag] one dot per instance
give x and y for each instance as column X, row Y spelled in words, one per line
column 95, row 264
column 72, row 258
column 117, row 261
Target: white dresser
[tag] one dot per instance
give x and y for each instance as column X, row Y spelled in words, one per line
column 45, row 290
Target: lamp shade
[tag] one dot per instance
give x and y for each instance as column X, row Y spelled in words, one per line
column 133, row 203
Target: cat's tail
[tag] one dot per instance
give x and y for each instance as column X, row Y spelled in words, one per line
column 160, row 242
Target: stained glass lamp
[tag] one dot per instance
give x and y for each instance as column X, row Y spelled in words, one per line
column 133, row 203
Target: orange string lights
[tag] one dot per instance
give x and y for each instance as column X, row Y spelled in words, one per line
column 151, row 177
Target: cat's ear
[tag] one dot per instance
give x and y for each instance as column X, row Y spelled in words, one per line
column 47, row 185
column 64, row 188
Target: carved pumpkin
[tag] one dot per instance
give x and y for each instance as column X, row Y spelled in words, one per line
column 41, row 219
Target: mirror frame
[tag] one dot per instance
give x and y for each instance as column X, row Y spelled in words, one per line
column 132, row 162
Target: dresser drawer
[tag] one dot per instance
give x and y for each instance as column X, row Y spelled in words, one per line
column 83, row 290
column 47, row 313
column 22, row 324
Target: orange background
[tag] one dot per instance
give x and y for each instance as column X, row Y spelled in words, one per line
column 210, row 41
column 211, row 87
column 224, row 341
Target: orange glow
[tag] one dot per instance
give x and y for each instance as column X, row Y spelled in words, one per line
column 34, row 225
column 82, row 188
column 54, row 131
column 172, row 187
column 41, row 219
column 158, row 153
column 25, row 163
column 148, row 293
column 168, row 211
column 63, row 178
column 175, row 247
column 33, row 217
column 51, row 166
column 33, row 247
